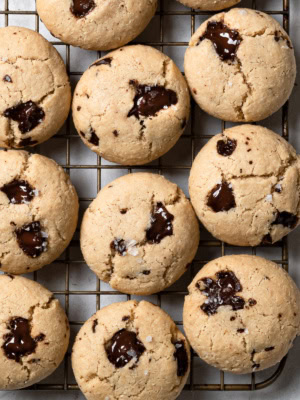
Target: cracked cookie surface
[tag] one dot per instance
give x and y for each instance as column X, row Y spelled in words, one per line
column 132, row 105
column 139, row 234
column 257, row 334
column 130, row 350
column 35, row 91
column 31, row 347
column 245, row 186
column 252, row 85
column 96, row 24
column 38, row 210
column 212, row 5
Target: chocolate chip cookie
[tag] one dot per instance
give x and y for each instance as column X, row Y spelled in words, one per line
column 212, row 5
column 31, row 347
column 245, row 186
column 140, row 234
column 38, row 211
column 131, row 350
column 240, row 65
column 242, row 313
column 35, row 90
column 96, row 24
column 132, row 105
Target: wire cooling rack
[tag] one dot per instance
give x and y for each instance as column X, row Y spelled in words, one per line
column 67, row 149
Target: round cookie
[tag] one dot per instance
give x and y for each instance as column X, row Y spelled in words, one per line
column 212, row 5
column 245, row 186
column 38, row 211
column 140, row 234
column 131, row 350
column 96, row 24
column 242, row 313
column 132, row 105
column 31, row 347
column 240, row 65
column 35, row 90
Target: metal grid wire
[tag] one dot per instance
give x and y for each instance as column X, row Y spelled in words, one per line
column 205, row 245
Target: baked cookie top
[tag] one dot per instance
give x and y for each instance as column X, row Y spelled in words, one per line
column 212, row 5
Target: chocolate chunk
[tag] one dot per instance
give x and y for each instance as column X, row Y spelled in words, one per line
column 123, row 211
column 221, row 197
column 119, row 245
column 7, row 78
column 18, row 192
column 146, row 272
column 28, row 114
column 123, row 347
column 31, row 239
column 78, row 108
column 160, row 224
column 232, row 318
column 181, row 357
column 286, row 219
column 27, row 142
column 278, row 188
column 80, row 8
column 95, row 323
column 93, row 138
column 126, row 318
column 241, row 330
column 252, row 302
column 116, row 133
column 19, row 343
column 269, row 348
column 267, row 239
column 226, row 147
column 104, row 61
column 221, row 292
column 225, row 40
column 149, row 100
column 279, row 36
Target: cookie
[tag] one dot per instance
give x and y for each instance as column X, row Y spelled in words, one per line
column 212, row 5
column 31, row 347
column 245, row 186
column 140, row 234
column 96, row 24
column 242, row 313
column 38, row 211
column 132, row 105
column 240, row 65
column 131, row 351
column 35, row 90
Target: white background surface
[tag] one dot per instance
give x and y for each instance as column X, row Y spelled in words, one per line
column 81, row 308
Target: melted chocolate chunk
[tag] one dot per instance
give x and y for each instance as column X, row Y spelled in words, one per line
column 160, row 224
column 221, row 292
column 252, row 302
column 95, row 323
column 232, row 318
column 19, row 343
column 241, row 330
column 181, row 357
column 269, row 348
column 149, row 100
column 125, row 318
column 286, row 219
column 146, row 272
column 104, row 61
column 115, row 133
column 267, row 239
column 225, row 40
column 123, row 347
column 28, row 114
column 93, row 138
column 226, row 147
column 80, row 8
column 119, row 245
column 31, row 239
column 221, row 198
column 18, row 192
column 27, row 142
column 7, row 78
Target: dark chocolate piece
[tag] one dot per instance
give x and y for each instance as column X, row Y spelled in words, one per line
column 7, row 78
column 181, row 357
column 119, row 245
column 149, row 100
column 28, row 114
column 93, row 138
column 252, row 302
column 221, row 292
column 123, row 347
column 31, row 240
column 241, row 330
column 18, row 192
column 27, row 142
column 221, row 197
column 81, row 8
column 160, row 224
column 225, row 40
column 146, row 272
column 95, row 323
column 104, row 61
column 279, row 36
column 286, row 219
column 19, row 343
column 269, row 348
column 226, row 147
column 267, row 239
